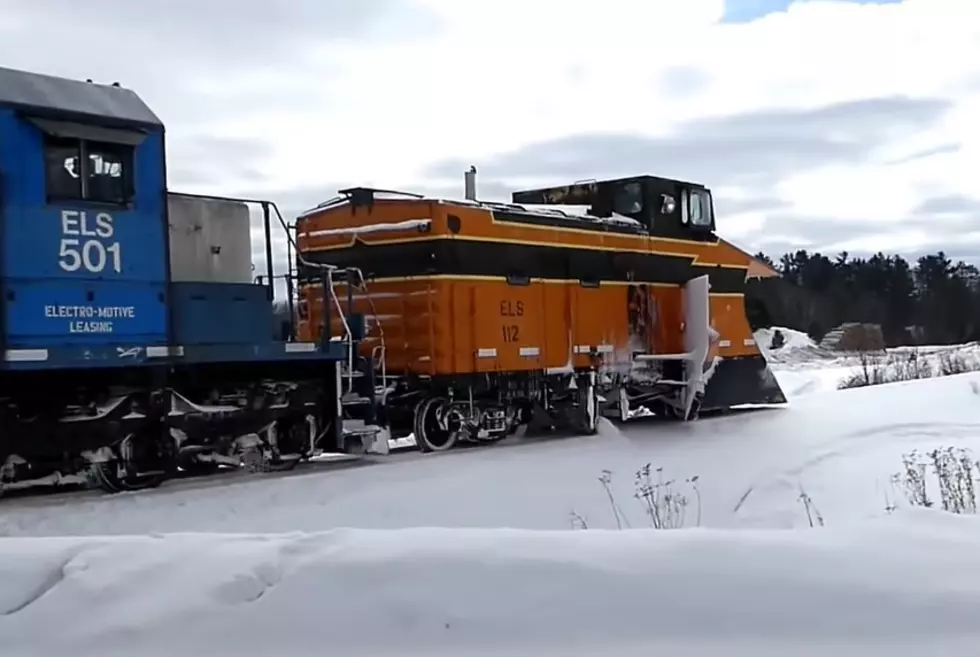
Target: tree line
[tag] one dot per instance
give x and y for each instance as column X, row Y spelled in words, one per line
column 932, row 300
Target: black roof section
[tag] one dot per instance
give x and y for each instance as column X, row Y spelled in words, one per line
column 48, row 94
column 585, row 192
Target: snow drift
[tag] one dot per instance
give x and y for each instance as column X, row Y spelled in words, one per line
column 470, row 592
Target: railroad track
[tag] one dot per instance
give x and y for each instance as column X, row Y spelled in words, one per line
column 400, row 453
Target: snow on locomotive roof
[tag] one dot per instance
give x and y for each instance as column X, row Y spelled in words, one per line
column 582, row 212
column 575, row 212
column 34, row 91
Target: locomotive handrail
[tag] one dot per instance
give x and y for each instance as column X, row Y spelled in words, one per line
column 380, row 350
column 300, row 260
column 299, row 256
column 349, row 335
column 381, row 329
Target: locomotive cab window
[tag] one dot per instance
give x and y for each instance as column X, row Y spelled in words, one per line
column 628, row 199
column 85, row 162
column 81, row 170
column 696, row 210
column 699, row 209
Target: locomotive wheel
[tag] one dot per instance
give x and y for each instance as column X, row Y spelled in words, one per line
column 430, row 435
column 142, row 461
column 289, row 435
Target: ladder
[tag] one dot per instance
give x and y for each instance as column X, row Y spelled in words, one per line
column 361, row 394
column 363, row 379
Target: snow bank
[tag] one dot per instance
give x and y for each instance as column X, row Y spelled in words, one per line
column 794, row 339
column 501, row 592
column 797, row 347
column 803, row 370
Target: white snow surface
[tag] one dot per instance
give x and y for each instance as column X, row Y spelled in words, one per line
column 471, row 552
column 891, row 588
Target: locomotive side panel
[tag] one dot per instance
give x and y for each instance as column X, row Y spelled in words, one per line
column 463, row 336
column 412, row 316
column 557, row 317
column 507, row 322
column 599, row 322
column 424, row 316
column 729, row 320
column 84, row 262
column 461, row 326
column 668, row 313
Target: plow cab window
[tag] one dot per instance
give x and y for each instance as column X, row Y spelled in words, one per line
column 696, row 210
column 700, row 209
column 628, row 199
column 619, row 198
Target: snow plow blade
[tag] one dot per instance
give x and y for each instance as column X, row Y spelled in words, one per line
column 742, row 381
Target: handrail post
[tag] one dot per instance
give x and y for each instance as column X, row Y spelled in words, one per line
column 290, row 291
column 267, row 225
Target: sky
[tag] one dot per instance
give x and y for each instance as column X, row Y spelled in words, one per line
column 824, row 125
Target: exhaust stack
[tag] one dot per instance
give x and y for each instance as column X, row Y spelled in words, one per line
column 469, row 184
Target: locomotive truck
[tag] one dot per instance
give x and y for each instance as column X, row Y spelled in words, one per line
column 136, row 341
column 612, row 297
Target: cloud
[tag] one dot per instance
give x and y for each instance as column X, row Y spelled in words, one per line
column 950, row 204
column 682, row 80
column 194, row 165
column 743, row 11
column 751, row 148
column 199, row 63
column 824, row 123
column 225, row 32
column 940, row 149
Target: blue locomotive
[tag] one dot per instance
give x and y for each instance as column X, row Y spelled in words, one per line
column 136, row 340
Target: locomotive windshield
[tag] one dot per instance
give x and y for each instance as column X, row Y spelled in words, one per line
column 699, row 208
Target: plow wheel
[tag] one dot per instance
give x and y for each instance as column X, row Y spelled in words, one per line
column 435, row 429
column 143, row 459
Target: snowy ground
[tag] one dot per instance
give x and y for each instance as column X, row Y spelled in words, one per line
column 297, row 578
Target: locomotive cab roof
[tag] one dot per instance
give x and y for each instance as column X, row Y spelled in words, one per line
column 50, row 96
column 659, row 206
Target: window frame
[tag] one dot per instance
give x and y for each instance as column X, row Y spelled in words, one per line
column 707, row 211
column 125, row 154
